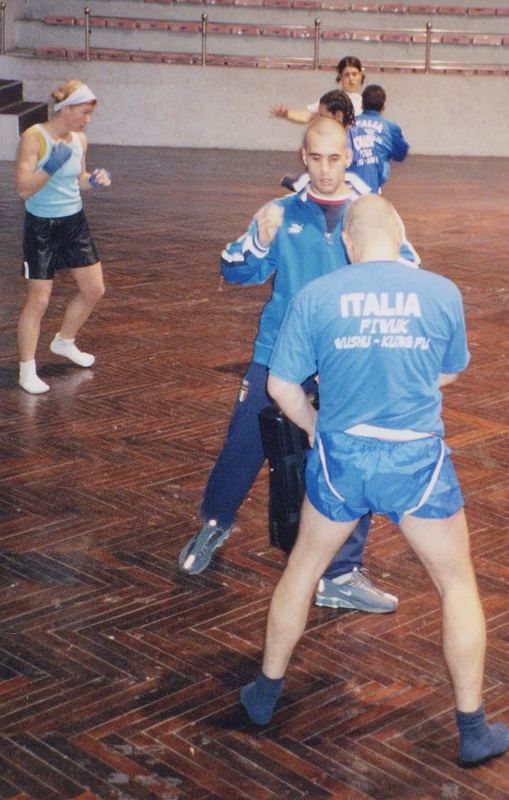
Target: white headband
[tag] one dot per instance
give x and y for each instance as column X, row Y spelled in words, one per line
column 81, row 95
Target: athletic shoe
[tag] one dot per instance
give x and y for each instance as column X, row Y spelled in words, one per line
column 287, row 182
column 196, row 555
column 354, row 590
column 67, row 348
column 295, row 183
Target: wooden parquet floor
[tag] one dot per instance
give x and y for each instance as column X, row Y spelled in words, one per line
column 118, row 676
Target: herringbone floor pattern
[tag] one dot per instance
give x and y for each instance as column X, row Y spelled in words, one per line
column 118, row 676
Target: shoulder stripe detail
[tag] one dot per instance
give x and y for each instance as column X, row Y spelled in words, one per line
column 232, row 258
column 357, row 184
column 43, row 144
column 252, row 245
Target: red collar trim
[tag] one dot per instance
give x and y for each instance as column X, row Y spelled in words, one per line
column 322, row 202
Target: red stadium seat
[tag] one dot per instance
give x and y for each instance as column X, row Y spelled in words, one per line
column 490, row 39
column 146, row 57
column 276, row 30
column 80, row 53
column 153, row 24
column 482, row 12
column 302, row 32
column 337, row 33
column 181, row 58
column 332, row 6
column 55, row 20
column 121, row 22
column 455, row 38
column 454, row 10
column 184, row 26
column 59, row 52
column 393, row 8
column 112, row 54
column 306, row 4
column 366, row 36
column 428, row 10
column 396, row 36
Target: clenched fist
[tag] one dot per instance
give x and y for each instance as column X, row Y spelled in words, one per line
column 268, row 219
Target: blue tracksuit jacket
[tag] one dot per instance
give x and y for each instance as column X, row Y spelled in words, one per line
column 375, row 141
column 301, row 251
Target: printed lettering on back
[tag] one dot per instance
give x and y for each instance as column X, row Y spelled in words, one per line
column 384, row 320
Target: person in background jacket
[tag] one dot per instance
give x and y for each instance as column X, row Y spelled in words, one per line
column 376, row 140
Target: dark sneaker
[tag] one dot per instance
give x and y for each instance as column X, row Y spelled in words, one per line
column 287, row 182
column 295, row 183
column 196, row 555
column 354, row 590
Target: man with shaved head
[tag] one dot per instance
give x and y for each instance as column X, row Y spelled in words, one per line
column 383, row 338
column 292, row 240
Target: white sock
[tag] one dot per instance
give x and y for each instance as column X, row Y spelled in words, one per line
column 29, row 380
column 67, row 348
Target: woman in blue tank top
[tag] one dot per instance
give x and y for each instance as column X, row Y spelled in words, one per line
column 51, row 174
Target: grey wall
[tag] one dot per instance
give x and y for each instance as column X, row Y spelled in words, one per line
column 191, row 106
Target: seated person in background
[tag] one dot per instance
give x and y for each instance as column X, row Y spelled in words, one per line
column 377, row 446
column 376, row 140
column 351, row 77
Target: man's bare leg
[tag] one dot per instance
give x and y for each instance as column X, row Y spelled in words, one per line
column 318, row 541
column 442, row 545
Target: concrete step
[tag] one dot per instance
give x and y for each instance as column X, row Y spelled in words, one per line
column 11, row 91
column 16, row 115
column 27, row 113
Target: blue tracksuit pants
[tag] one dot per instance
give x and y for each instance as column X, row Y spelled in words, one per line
column 241, row 460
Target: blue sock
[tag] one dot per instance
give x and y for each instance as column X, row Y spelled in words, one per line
column 260, row 697
column 478, row 740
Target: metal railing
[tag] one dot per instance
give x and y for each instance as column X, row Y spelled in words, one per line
column 428, row 31
column 3, row 6
column 427, row 56
column 316, row 56
column 204, row 20
column 88, row 31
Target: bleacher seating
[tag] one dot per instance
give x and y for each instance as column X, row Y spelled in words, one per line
column 230, row 42
column 373, row 8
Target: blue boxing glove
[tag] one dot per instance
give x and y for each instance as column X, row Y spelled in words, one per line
column 60, row 153
column 100, row 178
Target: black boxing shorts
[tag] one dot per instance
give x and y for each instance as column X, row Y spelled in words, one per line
column 54, row 243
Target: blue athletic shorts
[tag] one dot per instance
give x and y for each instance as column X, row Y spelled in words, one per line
column 356, row 474
column 54, row 243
